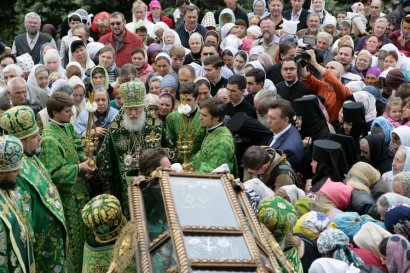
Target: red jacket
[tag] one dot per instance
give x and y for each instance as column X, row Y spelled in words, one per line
column 123, row 54
column 164, row 19
column 332, row 90
column 394, row 38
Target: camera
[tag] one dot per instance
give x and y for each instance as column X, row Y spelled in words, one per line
column 309, row 40
column 303, row 58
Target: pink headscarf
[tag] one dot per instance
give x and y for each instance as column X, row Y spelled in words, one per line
column 338, row 192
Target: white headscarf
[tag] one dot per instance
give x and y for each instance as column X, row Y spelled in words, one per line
column 31, row 80
column 294, row 193
column 89, row 63
column 226, row 29
column 327, row 265
column 404, row 134
column 369, row 236
column 177, row 40
column 256, row 50
column 403, row 61
column 53, row 53
column 77, row 64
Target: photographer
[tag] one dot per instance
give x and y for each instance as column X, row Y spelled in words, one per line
column 330, row 87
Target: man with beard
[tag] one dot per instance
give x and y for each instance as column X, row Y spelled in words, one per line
column 31, row 41
column 134, row 130
column 37, row 193
column 16, row 253
column 63, row 156
column 313, row 26
column 276, row 9
column 269, row 41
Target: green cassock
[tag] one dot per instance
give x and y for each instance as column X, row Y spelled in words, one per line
column 173, row 121
column 16, row 252
column 43, row 209
column 217, row 148
column 121, row 150
column 61, row 152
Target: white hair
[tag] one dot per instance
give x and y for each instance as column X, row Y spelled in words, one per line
column 32, row 15
column 12, row 82
column 134, row 125
column 325, row 35
column 15, row 67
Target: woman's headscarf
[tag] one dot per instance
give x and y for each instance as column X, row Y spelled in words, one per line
column 351, row 222
column 256, row 50
column 404, row 179
column 77, row 64
column 255, row 64
column 226, row 11
column 199, row 36
column 53, row 53
column 265, row 11
column 369, row 103
column 334, row 242
column 107, row 80
column 311, row 225
column 376, row 94
column 403, row 61
column 244, row 55
column 94, row 48
column 386, row 126
column 89, row 62
column 397, row 254
column 397, row 220
column 159, row 25
column 403, row 132
column 231, row 40
column 369, row 236
column 303, row 205
column 226, row 29
column 338, row 192
column 366, row 173
column 380, row 156
column 32, row 81
column 266, row 61
column 327, row 265
column 278, row 215
column 291, row 192
column 105, row 17
column 177, row 40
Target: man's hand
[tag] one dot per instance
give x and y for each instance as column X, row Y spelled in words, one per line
column 100, row 132
column 84, row 168
column 401, row 40
column 312, row 55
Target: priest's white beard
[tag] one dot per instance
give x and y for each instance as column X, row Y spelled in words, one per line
column 134, row 125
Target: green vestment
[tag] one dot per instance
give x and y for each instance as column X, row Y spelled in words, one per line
column 61, row 152
column 120, row 152
column 16, row 252
column 173, row 121
column 43, row 209
column 216, row 149
column 98, row 259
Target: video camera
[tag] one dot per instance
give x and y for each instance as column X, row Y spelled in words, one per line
column 303, row 58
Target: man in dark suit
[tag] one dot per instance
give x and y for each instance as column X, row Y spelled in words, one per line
column 285, row 136
column 31, row 41
column 297, row 13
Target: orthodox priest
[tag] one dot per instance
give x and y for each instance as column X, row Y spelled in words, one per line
column 218, row 146
column 63, row 156
column 37, row 193
column 16, row 252
column 134, row 130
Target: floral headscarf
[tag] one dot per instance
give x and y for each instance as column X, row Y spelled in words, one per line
column 333, row 241
column 351, row 222
column 278, row 215
column 397, row 254
column 311, row 225
column 397, row 220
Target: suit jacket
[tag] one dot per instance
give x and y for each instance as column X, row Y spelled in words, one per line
column 287, row 14
column 291, row 144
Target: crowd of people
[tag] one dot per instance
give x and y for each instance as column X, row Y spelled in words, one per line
column 311, row 110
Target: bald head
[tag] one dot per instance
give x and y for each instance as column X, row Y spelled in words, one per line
column 336, row 67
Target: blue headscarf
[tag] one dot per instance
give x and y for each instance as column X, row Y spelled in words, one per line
column 376, row 93
column 351, row 222
column 386, row 126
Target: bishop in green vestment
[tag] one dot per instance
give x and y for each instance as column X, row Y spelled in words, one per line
column 134, row 130
column 218, row 146
column 41, row 201
column 62, row 155
column 16, row 252
column 188, row 115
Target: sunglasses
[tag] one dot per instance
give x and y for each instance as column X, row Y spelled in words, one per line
column 115, row 23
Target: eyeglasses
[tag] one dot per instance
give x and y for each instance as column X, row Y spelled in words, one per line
column 115, row 23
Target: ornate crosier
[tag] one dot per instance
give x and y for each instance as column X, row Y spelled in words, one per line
column 184, row 142
column 91, row 140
